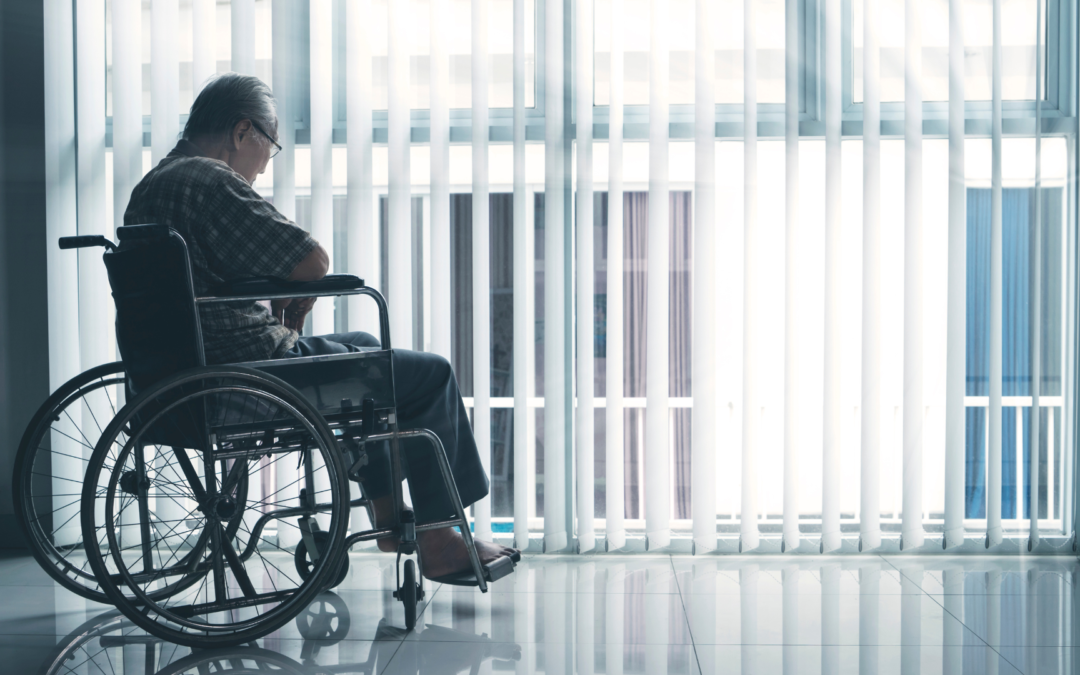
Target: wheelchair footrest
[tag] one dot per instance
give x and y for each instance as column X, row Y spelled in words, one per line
column 492, row 572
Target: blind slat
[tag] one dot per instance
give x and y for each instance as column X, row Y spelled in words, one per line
column 204, row 42
column 555, row 373
column 283, row 55
column 994, row 534
column 657, row 451
column 441, row 304
column 705, row 371
column 523, row 314
column 164, row 79
column 61, row 220
column 830, row 490
column 870, row 500
column 1036, row 305
column 243, row 36
column 283, row 28
column 956, row 337
column 614, row 415
column 322, row 127
column 791, row 537
column 584, row 275
column 481, row 262
column 912, row 528
column 95, row 305
column 751, row 411
column 127, row 102
column 399, row 191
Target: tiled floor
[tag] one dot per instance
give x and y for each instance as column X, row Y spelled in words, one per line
column 626, row 614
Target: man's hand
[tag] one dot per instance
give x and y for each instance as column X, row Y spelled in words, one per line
column 277, row 308
column 296, row 312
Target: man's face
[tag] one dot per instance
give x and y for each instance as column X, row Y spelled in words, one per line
column 250, row 151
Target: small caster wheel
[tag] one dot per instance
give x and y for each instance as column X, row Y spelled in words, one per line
column 408, row 594
column 304, row 564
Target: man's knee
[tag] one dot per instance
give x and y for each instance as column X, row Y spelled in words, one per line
column 361, row 339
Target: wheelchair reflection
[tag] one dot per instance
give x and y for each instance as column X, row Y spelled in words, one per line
column 109, row 644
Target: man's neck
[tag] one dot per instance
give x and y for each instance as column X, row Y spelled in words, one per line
column 213, row 150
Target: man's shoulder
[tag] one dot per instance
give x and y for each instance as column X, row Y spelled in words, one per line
column 194, row 171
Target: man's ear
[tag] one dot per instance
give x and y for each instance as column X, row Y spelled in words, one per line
column 241, row 131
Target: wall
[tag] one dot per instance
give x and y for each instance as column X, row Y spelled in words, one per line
column 24, row 355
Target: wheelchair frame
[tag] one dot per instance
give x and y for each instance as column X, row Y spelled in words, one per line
column 348, row 426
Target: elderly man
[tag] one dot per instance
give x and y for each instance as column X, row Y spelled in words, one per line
column 202, row 189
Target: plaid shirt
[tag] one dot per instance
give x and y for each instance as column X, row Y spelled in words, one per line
column 231, row 232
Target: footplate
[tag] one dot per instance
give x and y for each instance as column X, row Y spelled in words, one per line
column 492, row 572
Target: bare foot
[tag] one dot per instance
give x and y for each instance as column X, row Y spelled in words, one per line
column 443, row 552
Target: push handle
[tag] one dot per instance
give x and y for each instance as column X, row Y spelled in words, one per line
column 85, row 241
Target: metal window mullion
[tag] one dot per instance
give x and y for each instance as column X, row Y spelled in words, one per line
column 204, row 44
column 583, row 99
column 870, row 499
column 555, row 352
column 481, row 252
column 243, row 36
column 956, row 337
column 704, row 378
column 615, row 533
column 657, row 414
column 322, row 123
column 912, row 533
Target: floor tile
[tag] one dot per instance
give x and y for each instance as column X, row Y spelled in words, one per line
column 805, row 619
column 563, row 618
column 446, row 658
column 849, row 660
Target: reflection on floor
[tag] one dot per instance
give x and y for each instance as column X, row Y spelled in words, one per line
column 628, row 614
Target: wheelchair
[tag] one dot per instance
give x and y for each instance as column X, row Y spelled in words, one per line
column 213, row 502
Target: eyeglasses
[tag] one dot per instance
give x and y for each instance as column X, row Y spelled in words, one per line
column 276, row 145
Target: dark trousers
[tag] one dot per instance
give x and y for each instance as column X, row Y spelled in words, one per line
column 427, row 398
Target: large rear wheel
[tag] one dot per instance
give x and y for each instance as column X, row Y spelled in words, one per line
column 49, row 468
column 216, row 574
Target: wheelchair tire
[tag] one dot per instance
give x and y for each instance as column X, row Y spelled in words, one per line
column 237, row 421
column 57, row 422
column 408, row 593
column 303, row 562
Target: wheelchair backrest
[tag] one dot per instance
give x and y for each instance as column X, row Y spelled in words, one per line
column 157, row 323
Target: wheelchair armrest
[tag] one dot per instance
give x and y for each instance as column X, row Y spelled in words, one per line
column 272, row 288
column 263, row 287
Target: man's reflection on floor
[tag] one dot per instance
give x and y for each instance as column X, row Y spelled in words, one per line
column 109, row 644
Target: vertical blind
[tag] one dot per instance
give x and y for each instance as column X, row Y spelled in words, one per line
column 830, row 403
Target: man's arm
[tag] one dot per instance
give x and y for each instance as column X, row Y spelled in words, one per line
column 313, row 267
column 292, row 312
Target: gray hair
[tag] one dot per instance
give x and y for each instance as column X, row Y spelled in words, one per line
column 227, row 99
